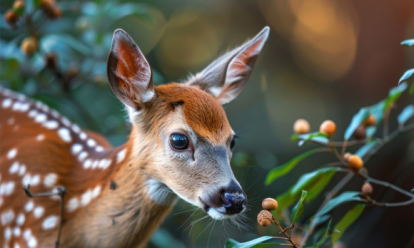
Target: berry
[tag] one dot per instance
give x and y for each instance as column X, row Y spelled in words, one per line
column 355, row 162
column 328, row 127
column 347, row 155
column 367, row 188
column 29, row 45
column 370, row 121
column 18, row 5
column 269, row 204
column 264, row 218
column 11, row 17
column 360, row 133
column 301, row 126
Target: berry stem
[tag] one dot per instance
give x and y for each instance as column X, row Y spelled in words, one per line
column 284, row 232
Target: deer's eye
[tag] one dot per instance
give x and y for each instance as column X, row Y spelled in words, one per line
column 233, row 142
column 179, row 141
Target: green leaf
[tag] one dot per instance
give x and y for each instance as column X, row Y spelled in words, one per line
column 308, row 179
column 394, row 94
column 411, row 90
column 298, row 209
column 407, row 74
column 363, row 150
column 231, row 243
column 377, row 110
column 324, row 237
column 287, row 167
column 285, row 200
column 344, row 197
column 361, row 116
column 320, row 185
column 409, row 42
column 349, row 218
column 317, row 136
column 370, row 131
column 406, row 114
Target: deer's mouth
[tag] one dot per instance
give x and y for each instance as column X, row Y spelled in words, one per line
column 216, row 213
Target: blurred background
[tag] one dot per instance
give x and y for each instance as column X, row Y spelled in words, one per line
column 324, row 60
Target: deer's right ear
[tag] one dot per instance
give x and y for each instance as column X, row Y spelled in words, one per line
column 129, row 73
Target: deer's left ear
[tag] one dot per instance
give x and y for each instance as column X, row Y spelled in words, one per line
column 226, row 76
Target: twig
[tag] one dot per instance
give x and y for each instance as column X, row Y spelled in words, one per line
column 387, row 185
column 284, row 232
column 60, row 191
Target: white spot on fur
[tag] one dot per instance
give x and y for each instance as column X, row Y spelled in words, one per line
column 10, row 121
column 87, row 164
column 75, row 128
column 82, row 156
column 7, row 233
column 14, row 167
column 16, row 106
column 40, row 118
column 96, row 191
column 95, row 164
column 32, row 113
column 32, row 242
column 76, row 148
column 50, row 180
column 26, row 180
column 91, row 142
column 35, row 180
column 50, row 222
column 86, row 198
column 20, row 219
column 27, row 234
column 29, row 206
column 83, row 136
column 24, row 107
column 65, row 121
column 8, row 188
column 73, row 204
column 6, row 103
column 12, row 153
column 22, row 169
column 16, row 231
column 147, row 96
column 38, row 212
column 16, row 245
column 7, row 217
column 52, row 124
column 54, row 113
column 99, row 149
column 121, row 155
column 40, row 137
column 65, row 134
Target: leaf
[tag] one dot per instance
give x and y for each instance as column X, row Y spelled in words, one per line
column 344, row 197
column 310, row 178
column 370, row 131
column 317, row 136
column 285, row 168
column 406, row 114
column 320, row 185
column 285, row 200
column 324, row 237
column 409, row 42
column 231, row 243
column 361, row 116
column 298, row 209
column 363, row 150
column 407, row 74
column 350, row 217
column 377, row 110
column 394, row 94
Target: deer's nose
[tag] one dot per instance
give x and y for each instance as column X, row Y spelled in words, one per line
column 233, row 199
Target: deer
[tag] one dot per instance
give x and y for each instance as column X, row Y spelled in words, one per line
column 58, row 180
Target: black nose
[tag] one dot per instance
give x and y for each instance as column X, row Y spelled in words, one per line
column 233, row 202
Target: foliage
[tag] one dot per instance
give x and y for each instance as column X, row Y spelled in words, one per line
column 366, row 121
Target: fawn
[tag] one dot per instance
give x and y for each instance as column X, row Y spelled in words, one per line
column 98, row 196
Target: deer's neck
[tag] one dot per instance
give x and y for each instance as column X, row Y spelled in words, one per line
column 132, row 203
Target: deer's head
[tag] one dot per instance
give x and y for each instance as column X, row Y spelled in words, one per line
column 182, row 128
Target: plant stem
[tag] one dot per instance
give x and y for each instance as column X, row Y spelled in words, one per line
column 284, row 233
column 387, row 185
column 330, row 195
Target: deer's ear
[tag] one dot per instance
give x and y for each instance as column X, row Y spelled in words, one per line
column 129, row 73
column 226, row 76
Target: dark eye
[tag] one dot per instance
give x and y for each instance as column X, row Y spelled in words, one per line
column 233, row 142
column 179, row 141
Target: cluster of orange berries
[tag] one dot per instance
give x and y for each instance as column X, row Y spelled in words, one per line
column 12, row 15
column 50, row 9
column 265, row 217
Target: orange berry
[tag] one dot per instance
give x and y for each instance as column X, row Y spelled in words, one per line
column 355, row 162
column 264, row 218
column 18, row 5
column 301, row 126
column 269, row 204
column 29, row 45
column 367, row 188
column 328, row 127
column 370, row 121
column 11, row 17
column 360, row 133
